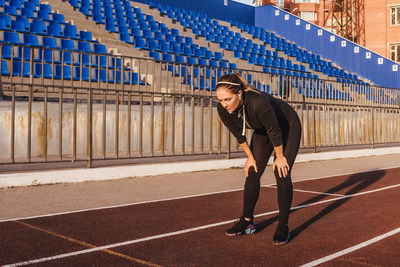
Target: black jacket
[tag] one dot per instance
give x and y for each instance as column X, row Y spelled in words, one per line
column 264, row 113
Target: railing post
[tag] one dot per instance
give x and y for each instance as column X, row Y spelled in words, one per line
column 228, row 155
column 315, row 131
column 13, row 124
column 30, row 99
column 89, row 130
column 373, row 128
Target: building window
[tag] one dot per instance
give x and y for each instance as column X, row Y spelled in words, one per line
column 308, row 15
column 280, row 3
column 257, row 2
column 305, row 1
column 395, row 15
column 395, row 52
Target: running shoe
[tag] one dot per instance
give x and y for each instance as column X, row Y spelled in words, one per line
column 281, row 235
column 242, row 227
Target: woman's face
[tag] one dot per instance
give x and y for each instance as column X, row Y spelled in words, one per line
column 228, row 100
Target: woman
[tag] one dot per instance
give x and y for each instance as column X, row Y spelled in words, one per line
column 276, row 128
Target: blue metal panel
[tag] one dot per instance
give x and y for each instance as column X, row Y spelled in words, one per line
column 296, row 35
column 329, row 46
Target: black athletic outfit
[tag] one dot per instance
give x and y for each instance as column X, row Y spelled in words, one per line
column 274, row 123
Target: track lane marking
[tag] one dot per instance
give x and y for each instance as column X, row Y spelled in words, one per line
column 82, row 243
column 178, row 198
column 135, row 241
column 308, row 191
column 351, row 249
column 318, row 193
column 119, row 206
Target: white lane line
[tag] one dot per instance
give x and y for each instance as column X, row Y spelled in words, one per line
column 347, row 173
column 175, row 198
column 307, row 191
column 118, row 206
column 130, row 242
column 318, row 193
column 351, row 249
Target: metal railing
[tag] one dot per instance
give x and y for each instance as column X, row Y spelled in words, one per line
column 152, row 108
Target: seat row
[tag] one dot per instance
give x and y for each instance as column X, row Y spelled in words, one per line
column 65, row 72
column 31, row 9
column 39, row 27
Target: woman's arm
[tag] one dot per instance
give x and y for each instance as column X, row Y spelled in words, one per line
column 250, row 162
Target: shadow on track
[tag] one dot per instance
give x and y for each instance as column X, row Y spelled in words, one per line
column 356, row 183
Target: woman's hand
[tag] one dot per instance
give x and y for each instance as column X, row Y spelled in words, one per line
column 250, row 162
column 281, row 164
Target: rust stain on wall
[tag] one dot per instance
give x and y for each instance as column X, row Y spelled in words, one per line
column 123, row 120
column 96, row 130
column 50, row 133
column 20, row 122
column 38, row 123
column 6, row 118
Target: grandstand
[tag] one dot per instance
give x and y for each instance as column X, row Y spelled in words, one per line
column 140, row 66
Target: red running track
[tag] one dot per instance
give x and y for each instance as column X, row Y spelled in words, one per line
column 329, row 215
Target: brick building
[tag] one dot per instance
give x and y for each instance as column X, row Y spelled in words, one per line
column 381, row 21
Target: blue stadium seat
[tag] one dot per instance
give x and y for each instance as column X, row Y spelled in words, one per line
column 20, row 69
column 31, row 40
column 54, row 29
column 116, row 62
column 62, row 71
column 139, row 42
column 98, row 17
column 70, row 31
column 4, row 68
column 151, row 44
column 154, row 55
column 47, row 71
column 81, row 74
column 100, row 60
column 37, row 27
column 110, row 24
column 45, row 7
column 11, row 37
column 125, row 37
column 27, row 12
column 7, row 20
column 29, row 4
column 100, row 75
column 3, row 25
column 85, row 35
column 18, row 26
column 56, row 17
column 218, row 56
column 84, row 58
column 43, row 15
column 24, row 20
column 134, row 80
column 11, row 10
column 67, row 44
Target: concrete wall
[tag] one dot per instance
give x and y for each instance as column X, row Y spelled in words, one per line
column 38, row 128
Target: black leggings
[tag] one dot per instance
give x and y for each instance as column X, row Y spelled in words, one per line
column 262, row 149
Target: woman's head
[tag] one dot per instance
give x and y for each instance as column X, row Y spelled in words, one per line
column 229, row 91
